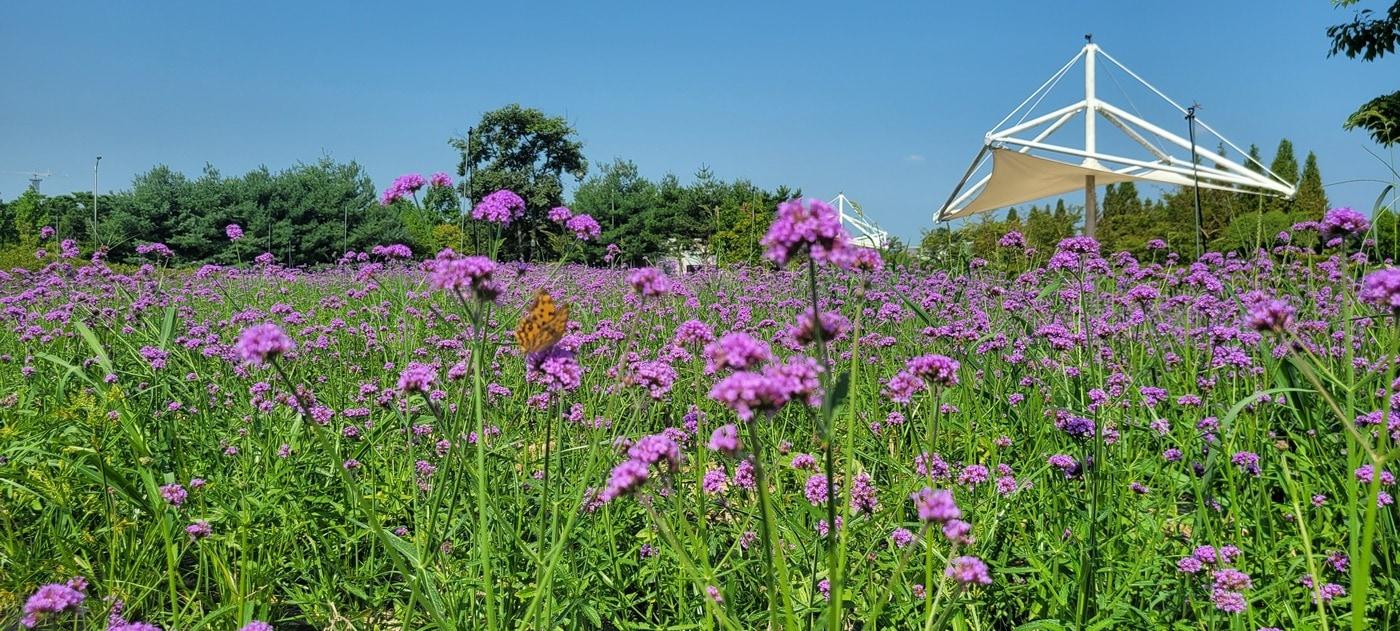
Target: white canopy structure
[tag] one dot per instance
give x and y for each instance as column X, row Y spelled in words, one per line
column 863, row 231
column 1026, row 164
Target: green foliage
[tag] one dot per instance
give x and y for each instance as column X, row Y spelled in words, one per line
column 8, row 234
column 741, row 226
column 1379, row 117
column 1311, row 200
column 619, row 198
column 1045, row 228
column 1285, row 164
column 528, row 152
column 651, row 220
column 940, row 246
column 446, row 235
column 307, row 214
column 1250, row 231
column 1370, row 37
column 1385, row 229
column 20, row 255
column 27, row 212
column 1366, row 36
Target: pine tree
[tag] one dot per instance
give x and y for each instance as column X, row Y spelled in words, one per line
column 1256, row 159
column 1121, row 199
column 1311, row 200
column 1123, row 223
column 1285, row 165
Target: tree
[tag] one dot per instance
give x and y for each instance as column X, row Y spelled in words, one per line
column 1125, row 224
column 1284, row 165
column 1380, row 117
column 939, row 245
column 1045, row 228
column 70, row 215
column 650, row 220
column 528, row 152
column 1311, row 200
column 618, row 197
column 1370, row 38
column 8, row 235
column 303, row 215
column 743, row 216
column 28, row 215
column 1256, row 159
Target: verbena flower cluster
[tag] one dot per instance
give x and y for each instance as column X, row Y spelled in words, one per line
column 501, row 207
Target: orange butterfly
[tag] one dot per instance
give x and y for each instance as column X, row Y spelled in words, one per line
column 542, row 325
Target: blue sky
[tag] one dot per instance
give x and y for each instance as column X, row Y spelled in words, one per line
column 887, row 102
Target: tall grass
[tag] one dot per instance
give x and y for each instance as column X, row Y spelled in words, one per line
column 476, row 504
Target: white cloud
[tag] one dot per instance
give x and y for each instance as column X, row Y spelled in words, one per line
column 914, row 157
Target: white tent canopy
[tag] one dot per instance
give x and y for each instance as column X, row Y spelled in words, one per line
column 1026, row 163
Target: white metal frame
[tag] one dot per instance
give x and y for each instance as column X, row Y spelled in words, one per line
column 1212, row 170
column 868, row 234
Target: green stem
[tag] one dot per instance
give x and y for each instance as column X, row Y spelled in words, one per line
column 772, row 548
column 484, row 551
column 1361, row 571
column 832, row 568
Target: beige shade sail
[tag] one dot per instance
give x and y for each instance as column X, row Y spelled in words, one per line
column 1021, row 177
column 1031, row 159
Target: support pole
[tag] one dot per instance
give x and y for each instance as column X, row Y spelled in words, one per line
column 1091, row 202
column 1090, row 105
column 1196, row 178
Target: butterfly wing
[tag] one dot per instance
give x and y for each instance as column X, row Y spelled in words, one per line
column 543, row 325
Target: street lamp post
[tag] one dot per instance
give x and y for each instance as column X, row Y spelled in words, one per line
column 95, row 164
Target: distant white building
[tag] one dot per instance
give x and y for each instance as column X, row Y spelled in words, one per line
column 686, row 258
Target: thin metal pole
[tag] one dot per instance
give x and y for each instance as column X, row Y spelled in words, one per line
column 1195, row 175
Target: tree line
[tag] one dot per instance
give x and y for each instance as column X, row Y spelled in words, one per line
column 313, row 213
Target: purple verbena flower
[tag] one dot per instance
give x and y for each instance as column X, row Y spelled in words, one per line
column 259, row 343
column 937, row 506
column 968, row 570
column 584, row 227
column 725, row 439
column 806, row 224
column 501, row 207
column 649, row 281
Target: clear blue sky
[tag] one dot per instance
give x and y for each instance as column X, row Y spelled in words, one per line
column 887, row 102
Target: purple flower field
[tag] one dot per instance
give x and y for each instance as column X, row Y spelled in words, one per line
column 1075, row 438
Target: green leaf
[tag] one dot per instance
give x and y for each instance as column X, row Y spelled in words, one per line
column 919, row 311
column 95, row 345
column 592, row 615
column 837, row 395
column 1380, row 201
